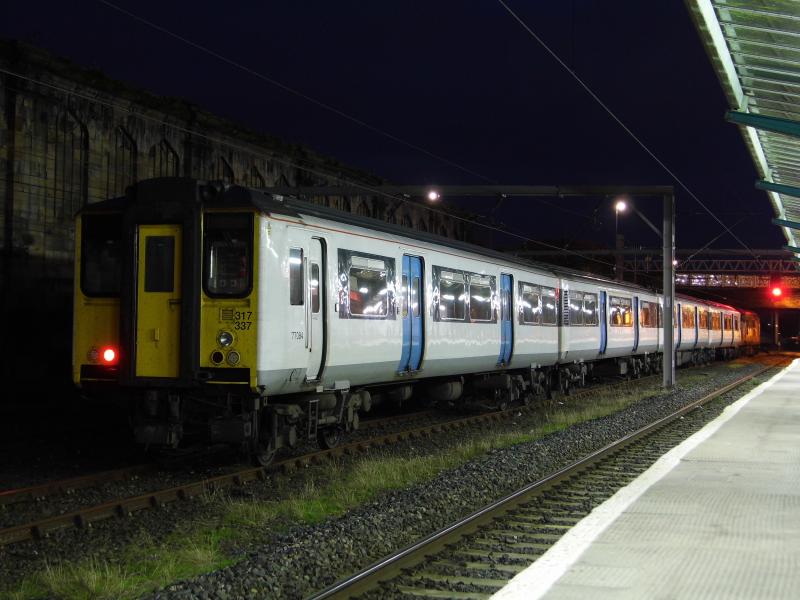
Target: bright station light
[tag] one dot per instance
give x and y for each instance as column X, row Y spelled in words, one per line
column 620, row 206
column 433, row 195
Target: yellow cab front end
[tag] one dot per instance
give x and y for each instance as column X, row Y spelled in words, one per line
column 95, row 340
column 165, row 311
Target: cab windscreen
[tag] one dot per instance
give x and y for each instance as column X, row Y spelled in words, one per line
column 101, row 254
column 227, row 254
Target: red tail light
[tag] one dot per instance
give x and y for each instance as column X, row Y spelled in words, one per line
column 109, row 355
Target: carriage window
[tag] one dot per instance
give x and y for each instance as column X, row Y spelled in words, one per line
column 549, row 306
column 727, row 322
column 296, row 276
column 716, row 321
column 590, row 309
column 480, row 299
column 452, row 296
column 101, row 254
column 687, row 317
column 621, row 313
column 702, row 317
column 227, row 254
column 648, row 314
column 660, row 316
column 645, row 312
column 530, row 304
column 159, row 263
column 314, row 285
column 575, row 308
column 366, row 286
column 404, row 292
column 369, row 289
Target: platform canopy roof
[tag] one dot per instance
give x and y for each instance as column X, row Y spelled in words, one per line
column 754, row 46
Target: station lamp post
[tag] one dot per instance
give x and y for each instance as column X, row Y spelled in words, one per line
column 667, row 235
column 668, row 255
column 620, row 206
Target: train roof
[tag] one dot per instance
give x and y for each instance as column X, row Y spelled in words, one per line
column 708, row 302
column 302, row 207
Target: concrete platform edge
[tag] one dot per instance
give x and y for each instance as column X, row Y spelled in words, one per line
column 537, row 579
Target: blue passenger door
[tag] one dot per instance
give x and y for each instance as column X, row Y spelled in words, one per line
column 506, row 327
column 411, row 312
column 603, row 324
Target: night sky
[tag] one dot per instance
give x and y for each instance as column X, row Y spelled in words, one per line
column 461, row 79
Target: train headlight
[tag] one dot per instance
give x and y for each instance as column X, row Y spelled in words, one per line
column 233, row 358
column 225, row 338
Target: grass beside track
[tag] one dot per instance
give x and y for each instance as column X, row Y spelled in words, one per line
column 309, row 497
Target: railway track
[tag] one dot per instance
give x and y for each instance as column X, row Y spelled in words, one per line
column 84, row 517
column 476, row 556
column 62, row 486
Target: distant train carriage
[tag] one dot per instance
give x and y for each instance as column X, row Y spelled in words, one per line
column 258, row 320
column 750, row 333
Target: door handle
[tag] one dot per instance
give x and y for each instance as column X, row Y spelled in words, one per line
column 156, row 334
column 174, row 301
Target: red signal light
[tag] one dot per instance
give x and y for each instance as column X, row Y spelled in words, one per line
column 109, row 355
column 777, row 292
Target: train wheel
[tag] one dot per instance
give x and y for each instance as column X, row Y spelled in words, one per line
column 264, row 455
column 329, row 437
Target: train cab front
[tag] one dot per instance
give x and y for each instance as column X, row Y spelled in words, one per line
column 181, row 328
column 96, row 299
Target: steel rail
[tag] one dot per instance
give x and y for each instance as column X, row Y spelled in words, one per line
column 84, row 517
column 50, row 488
column 389, row 566
column 61, row 486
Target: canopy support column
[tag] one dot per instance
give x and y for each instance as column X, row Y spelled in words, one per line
column 668, row 270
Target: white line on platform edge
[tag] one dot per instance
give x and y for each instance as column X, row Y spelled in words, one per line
column 536, row 580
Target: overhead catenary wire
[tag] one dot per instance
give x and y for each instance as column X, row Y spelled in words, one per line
column 358, row 121
column 714, row 239
column 327, row 175
column 619, row 121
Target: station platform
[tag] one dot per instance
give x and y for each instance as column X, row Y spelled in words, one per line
column 716, row 517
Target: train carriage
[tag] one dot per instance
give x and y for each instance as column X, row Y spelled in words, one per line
column 750, row 332
column 259, row 320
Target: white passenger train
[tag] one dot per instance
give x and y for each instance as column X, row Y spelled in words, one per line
column 263, row 320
